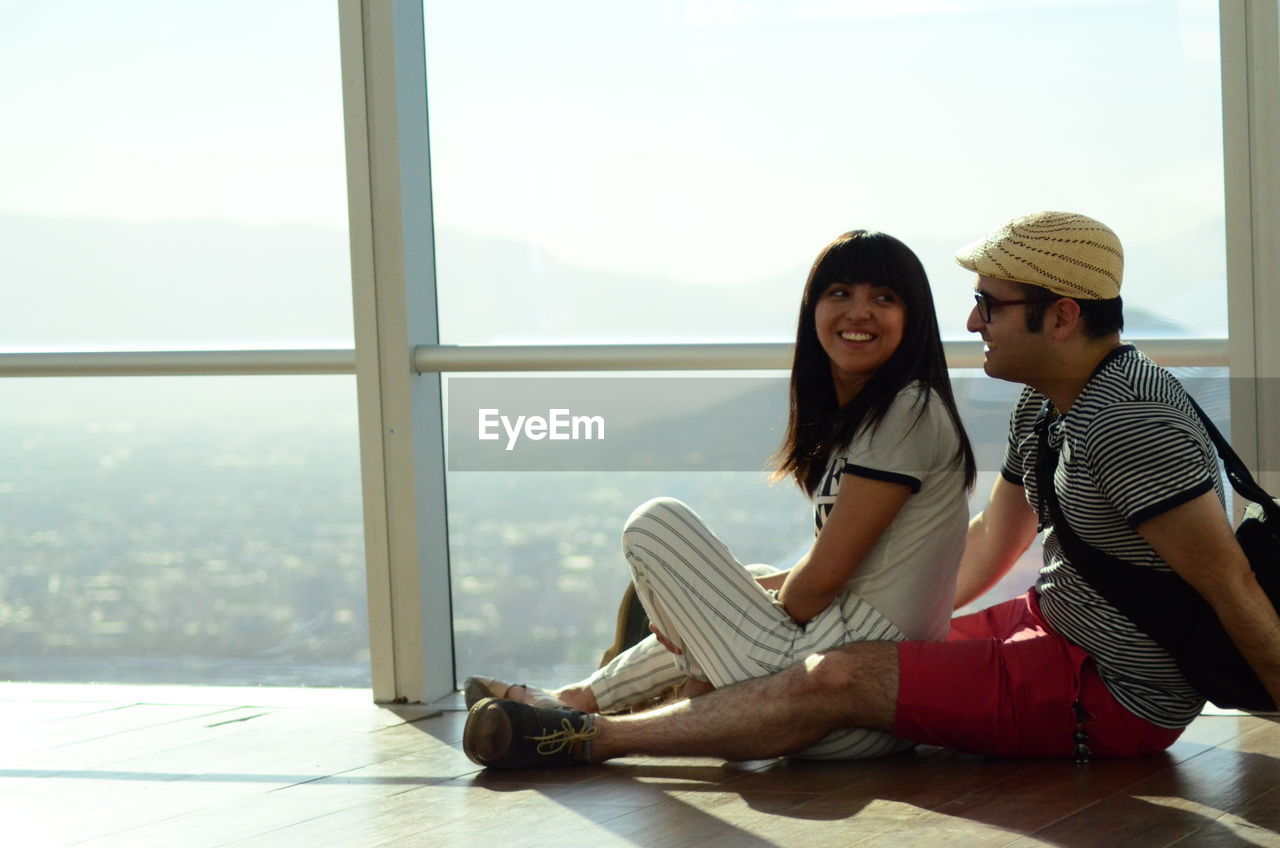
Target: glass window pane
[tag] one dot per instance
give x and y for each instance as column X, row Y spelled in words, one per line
column 537, row 579
column 667, row 171
column 535, row 554
column 178, row 178
column 536, row 559
column 182, row 530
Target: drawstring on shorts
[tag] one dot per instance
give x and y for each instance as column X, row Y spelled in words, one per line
column 1080, row 737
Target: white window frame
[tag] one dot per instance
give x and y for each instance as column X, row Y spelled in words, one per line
column 394, row 290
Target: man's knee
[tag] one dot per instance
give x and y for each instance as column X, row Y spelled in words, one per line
column 835, row 671
column 859, row 677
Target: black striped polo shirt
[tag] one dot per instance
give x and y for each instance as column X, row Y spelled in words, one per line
column 1130, row 448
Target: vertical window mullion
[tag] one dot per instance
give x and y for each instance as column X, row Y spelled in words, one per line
column 394, row 288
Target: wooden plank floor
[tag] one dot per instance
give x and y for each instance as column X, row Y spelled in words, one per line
column 200, row 768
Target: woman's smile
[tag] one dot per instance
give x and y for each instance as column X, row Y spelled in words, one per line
column 859, row 326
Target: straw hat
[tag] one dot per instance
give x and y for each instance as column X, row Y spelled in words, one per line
column 1070, row 255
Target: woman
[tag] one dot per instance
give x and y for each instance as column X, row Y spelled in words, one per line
column 875, row 440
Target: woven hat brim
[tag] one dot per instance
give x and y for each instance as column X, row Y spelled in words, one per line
column 1068, row 254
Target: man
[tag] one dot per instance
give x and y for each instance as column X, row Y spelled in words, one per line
column 1059, row 672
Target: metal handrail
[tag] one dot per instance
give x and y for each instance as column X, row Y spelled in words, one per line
column 739, row 357
column 428, row 359
column 177, row 363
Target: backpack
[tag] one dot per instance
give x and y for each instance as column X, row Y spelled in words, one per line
column 1166, row 607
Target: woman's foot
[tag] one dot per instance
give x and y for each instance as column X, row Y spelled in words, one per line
column 574, row 697
column 478, row 688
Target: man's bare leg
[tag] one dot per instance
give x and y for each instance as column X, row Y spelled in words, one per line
column 852, row 686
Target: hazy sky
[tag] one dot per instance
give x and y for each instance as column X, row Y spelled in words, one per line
column 708, row 142
column 726, row 138
column 153, row 110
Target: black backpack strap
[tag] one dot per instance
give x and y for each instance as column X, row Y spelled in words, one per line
column 1158, row 601
column 1241, row 480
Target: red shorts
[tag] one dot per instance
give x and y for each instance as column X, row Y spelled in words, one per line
column 1004, row 683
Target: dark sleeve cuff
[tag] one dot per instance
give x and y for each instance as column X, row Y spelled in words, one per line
column 1008, row 474
column 885, row 476
column 1149, row 512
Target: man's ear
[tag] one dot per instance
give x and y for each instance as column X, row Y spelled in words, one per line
column 1062, row 318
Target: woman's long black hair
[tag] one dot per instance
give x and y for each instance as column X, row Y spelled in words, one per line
column 818, row 426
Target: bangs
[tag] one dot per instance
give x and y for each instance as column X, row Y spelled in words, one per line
column 859, row 257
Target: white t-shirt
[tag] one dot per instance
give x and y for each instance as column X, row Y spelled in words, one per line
column 910, row 573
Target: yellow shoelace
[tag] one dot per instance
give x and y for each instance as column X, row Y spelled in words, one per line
column 554, row 741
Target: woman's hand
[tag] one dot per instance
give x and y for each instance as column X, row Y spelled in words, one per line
column 666, row 643
column 773, row 581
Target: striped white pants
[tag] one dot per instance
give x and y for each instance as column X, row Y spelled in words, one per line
column 728, row 627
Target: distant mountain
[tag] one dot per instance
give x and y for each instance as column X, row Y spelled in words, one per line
column 85, row 284
column 498, row 291
column 191, row 284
